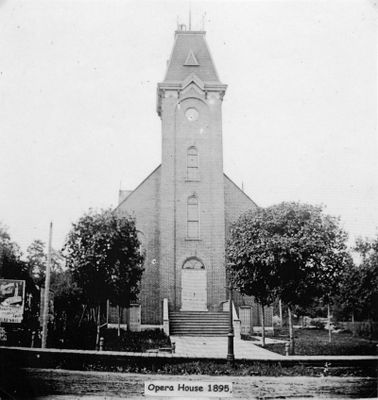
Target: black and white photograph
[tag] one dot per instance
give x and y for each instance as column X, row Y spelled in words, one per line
column 188, row 199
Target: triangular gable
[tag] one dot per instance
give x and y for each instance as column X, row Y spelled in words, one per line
column 193, row 78
column 191, row 60
column 137, row 189
column 238, row 190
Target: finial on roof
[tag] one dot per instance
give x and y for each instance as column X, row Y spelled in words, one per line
column 203, row 21
column 180, row 27
column 190, row 16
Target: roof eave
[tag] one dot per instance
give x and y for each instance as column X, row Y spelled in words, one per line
column 179, row 85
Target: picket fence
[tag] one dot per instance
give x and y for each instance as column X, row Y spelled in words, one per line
column 362, row 328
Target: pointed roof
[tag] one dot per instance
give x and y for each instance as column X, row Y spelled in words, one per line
column 190, row 54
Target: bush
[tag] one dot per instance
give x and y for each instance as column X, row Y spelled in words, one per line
column 81, row 337
column 317, row 324
column 315, row 342
column 135, row 341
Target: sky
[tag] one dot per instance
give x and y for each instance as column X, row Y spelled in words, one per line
column 78, row 114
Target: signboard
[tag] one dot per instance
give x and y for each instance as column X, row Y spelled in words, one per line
column 12, row 300
column 188, row 389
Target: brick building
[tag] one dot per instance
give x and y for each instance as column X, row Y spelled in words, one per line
column 184, row 208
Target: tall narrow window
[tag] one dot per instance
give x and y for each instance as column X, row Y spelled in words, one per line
column 193, row 218
column 192, row 164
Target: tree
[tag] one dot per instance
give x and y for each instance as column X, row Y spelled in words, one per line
column 13, row 267
column 68, row 307
column 290, row 251
column 358, row 293
column 103, row 254
column 368, row 284
column 11, row 264
column 36, row 257
column 247, row 268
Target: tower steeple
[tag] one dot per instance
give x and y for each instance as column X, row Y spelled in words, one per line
column 192, row 181
column 190, row 57
column 186, row 42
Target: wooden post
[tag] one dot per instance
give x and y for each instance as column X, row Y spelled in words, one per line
column 98, row 327
column 287, row 349
column 45, row 315
column 329, row 324
column 119, row 320
column 1, row 263
column 291, row 336
column 280, row 307
column 353, row 325
column 262, row 326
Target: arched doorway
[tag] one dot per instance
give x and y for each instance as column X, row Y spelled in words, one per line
column 194, row 286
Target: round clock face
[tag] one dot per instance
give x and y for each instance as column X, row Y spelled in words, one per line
column 191, row 114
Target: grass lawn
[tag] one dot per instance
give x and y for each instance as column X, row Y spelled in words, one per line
column 135, row 341
column 315, row 342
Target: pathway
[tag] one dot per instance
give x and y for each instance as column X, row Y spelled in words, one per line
column 74, row 385
column 216, row 347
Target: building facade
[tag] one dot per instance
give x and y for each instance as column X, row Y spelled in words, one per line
column 185, row 207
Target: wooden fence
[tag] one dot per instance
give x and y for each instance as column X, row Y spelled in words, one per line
column 362, row 328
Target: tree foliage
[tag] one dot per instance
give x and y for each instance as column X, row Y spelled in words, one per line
column 36, row 257
column 11, row 264
column 290, row 251
column 359, row 284
column 103, row 253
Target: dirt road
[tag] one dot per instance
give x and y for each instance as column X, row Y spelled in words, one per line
column 69, row 385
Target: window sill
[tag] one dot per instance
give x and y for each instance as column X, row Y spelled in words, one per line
column 192, row 180
column 193, row 239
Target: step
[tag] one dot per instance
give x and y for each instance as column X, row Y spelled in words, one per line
column 195, row 323
column 198, row 316
column 197, row 327
column 199, row 323
column 204, row 320
column 198, row 313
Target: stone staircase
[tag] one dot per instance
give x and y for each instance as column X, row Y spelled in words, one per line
column 198, row 323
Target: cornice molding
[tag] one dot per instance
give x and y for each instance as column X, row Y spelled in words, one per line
column 178, row 86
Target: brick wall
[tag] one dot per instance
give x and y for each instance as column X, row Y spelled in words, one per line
column 178, row 135
column 143, row 205
column 236, row 202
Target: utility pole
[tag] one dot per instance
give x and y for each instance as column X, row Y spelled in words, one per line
column 46, row 298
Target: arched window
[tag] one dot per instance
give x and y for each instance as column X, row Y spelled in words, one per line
column 192, row 173
column 193, row 218
column 193, row 263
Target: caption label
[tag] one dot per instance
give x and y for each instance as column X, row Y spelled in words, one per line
column 188, row 389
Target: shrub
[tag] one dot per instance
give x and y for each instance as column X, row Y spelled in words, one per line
column 276, row 321
column 317, row 324
column 135, row 341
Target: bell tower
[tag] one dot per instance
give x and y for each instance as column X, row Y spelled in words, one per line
column 191, row 210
